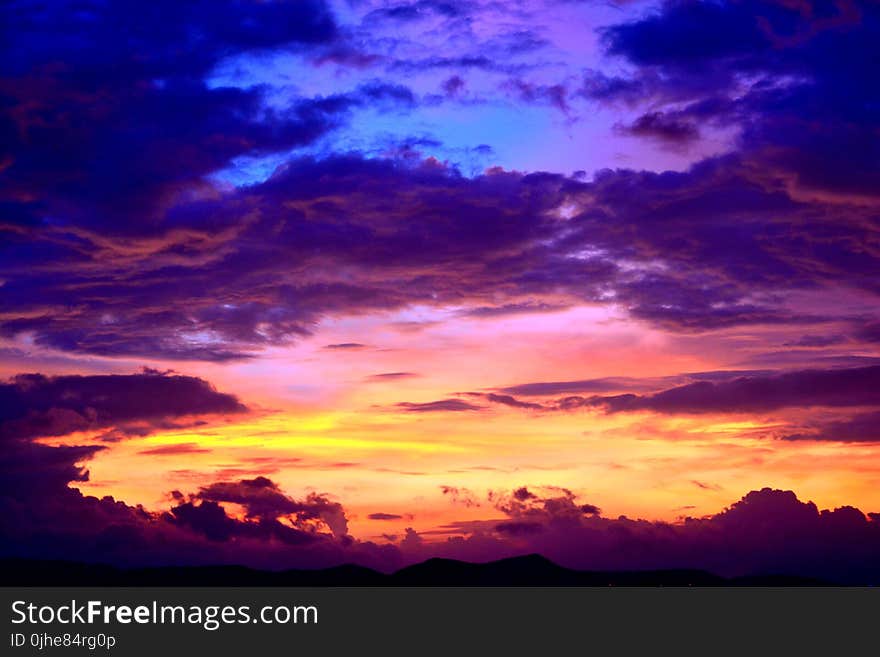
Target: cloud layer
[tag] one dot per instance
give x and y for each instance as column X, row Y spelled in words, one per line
column 160, row 260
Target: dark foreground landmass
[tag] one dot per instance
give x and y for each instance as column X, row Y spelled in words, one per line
column 531, row 570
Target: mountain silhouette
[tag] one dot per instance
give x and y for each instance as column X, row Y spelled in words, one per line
column 529, row 570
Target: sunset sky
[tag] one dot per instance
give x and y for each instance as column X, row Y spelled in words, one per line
column 305, row 283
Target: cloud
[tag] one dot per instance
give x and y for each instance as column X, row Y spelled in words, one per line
column 36, row 405
column 130, row 137
column 859, row 428
column 353, row 346
column 605, row 384
column 772, row 69
column 391, row 376
column 460, row 495
column 241, row 285
column 507, row 400
column 41, row 516
column 817, row 341
column 262, row 499
column 750, row 394
column 548, row 504
column 439, row 406
column 519, row 528
column 347, row 235
column 766, row 532
column 453, row 86
column 512, row 309
column 420, row 10
column 384, row 516
column 201, row 271
column 175, row 449
column 663, row 127
column 555, row 95
column 869, row 332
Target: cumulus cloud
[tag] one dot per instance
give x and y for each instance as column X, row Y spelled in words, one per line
column 263, row 500
column 42, row 516
column 766, row 532
column 543, row 503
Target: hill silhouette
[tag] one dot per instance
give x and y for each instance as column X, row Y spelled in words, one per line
column 529, row 570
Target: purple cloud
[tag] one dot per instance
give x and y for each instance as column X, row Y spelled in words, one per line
column 663, row 127
column 766, row 532
column 35, row 405
column 263, row 500
column 391, row 376
column 749, row 394
column 439, row 406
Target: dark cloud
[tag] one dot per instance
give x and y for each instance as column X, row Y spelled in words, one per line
column 41, row 516
column 175, row 449
column 35, row 405
column 244, row 285
column 705, row 249
column 860, row 428
column 512, row 309
column 439, row 406
column 731, row 391
column 263, row 499
column 346, row 345
column 869, row 332
column 118, row 242
column 38, row 509
column 106, row 110
column 585, row 385
column 453, row 86
column 749, row 394
column 462, row 62
column 419, row 10
column 508, row 400
column 664, row 127
column 519, row 528
column 554, row 95
column 766, row 532
column 378, row 93
column 391, row 376
column 795, row 78
column 460, row 495
column 624, row 383
column 543, row 504
column 817, row 341
column 384, row 516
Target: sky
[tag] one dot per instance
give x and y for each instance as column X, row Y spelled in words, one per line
column 294, row 284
